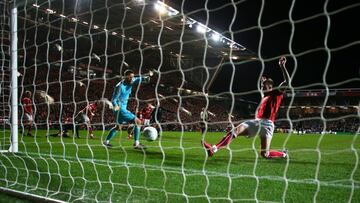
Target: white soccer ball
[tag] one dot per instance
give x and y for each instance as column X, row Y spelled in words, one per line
column 150, row 133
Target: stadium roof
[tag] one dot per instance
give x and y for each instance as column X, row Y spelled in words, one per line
column 141, row 24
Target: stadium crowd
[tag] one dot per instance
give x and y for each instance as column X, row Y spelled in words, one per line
column 72, row 92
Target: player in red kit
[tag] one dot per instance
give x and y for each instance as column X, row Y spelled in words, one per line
column 146, row 114
column 28, row 111
column 85, row 116
column 263, row 124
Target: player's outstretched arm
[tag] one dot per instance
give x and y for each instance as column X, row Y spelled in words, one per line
column 284, row 85
column 115, row 100
column 145, row 78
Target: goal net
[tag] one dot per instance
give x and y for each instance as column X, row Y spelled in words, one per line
column 201, row 63
column 5, row 75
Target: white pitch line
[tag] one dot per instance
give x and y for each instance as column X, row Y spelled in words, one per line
column 200, row 172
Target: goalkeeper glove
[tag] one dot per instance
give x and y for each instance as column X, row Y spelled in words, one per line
column 146, row 80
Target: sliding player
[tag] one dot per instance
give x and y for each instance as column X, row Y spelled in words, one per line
column 119, row 100
column 263, row 124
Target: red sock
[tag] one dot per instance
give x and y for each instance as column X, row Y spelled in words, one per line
column 225, row 140
column 275, row 154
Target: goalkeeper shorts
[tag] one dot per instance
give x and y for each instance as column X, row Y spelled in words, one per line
column 124, row 116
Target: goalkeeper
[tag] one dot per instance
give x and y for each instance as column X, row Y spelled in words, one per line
column 119, row 101
column 263, row 124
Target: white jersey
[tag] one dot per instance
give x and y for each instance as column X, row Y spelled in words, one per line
column 204, row 115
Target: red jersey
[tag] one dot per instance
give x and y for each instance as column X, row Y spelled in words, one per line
column 139, row 115
column 146, row 112
column 27, row 104
column 269, row 105
column 89, row 110
column 67, row 120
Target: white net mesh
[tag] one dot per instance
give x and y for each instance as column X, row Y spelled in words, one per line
column 72, row 55
column 5, row 76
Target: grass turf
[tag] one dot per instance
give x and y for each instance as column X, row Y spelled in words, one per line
column 176, row 169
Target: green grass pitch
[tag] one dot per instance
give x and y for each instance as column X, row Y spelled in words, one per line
column 176, row 169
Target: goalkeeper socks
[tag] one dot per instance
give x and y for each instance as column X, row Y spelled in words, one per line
column 275, row 154
column 112, row 133
column 225, row 140
column 136, row 133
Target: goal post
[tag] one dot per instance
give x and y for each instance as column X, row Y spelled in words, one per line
column 14, row 80
column 13, row 88
column 199, row 83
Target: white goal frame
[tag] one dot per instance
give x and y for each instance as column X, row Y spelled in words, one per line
column 14, row 82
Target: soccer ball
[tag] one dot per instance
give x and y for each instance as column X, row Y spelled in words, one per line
column 150, row 133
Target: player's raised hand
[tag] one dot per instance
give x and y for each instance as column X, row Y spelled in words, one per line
column 147, row 76
column 116, row 108
column 282, row 61
column 263, row 78
column 186, row 111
